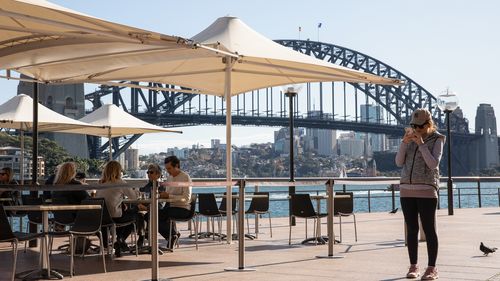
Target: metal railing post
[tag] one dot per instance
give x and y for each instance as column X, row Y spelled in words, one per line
column 369, row 203
column 459, row 200
column 256, row 217
column 393, row 197
column 479, row 192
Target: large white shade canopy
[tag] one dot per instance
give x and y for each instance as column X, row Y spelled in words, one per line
column 17, row 113
column 55, row 44
column 261, row 63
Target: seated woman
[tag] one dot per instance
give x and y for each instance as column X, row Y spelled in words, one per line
column 112, row 174
column 66, row 175
column 154, row 173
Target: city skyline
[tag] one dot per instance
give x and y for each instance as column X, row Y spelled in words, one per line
column 433, row 50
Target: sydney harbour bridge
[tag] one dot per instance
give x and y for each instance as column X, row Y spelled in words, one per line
column 332, row 105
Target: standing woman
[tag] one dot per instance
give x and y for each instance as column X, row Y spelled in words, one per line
column 419, row 156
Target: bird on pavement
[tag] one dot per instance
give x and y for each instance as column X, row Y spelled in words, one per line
column 394, row 211
column 486, row 250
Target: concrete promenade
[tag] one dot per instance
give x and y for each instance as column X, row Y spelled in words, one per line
column 379, row 253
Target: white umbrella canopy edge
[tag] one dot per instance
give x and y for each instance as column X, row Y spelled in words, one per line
column 35, row 36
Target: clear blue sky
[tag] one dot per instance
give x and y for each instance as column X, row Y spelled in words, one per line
column 439, row 44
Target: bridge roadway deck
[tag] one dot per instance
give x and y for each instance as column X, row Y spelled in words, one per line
column 379, row 253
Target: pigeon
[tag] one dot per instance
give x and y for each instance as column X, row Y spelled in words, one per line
column 394, row 211
column 486, row 250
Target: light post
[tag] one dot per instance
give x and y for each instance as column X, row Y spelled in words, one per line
column 448, row 102
column 290, row 93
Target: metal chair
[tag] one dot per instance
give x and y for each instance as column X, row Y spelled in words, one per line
column 302, row 207
column 87, row 223
column 110, row 224
column 344, row 207
column 259, row 206
column 6, row 235
column 234, row 210
column 207, row 207
column 62, row 218
column 191, row 217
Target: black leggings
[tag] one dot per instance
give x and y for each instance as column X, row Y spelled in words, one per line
column 426, row 208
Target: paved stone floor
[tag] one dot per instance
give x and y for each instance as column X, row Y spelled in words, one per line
column 379, row 253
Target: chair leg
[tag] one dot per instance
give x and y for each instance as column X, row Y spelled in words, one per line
column 135, row 242
column 102, row 251
column 220, row 229
column 340, row 224
column 290, row 232
column 196, row 232
column 113, row 240
column 315, row 231
column 248, row 224
column 72, row 253
column 14, row 253
column 355, row 228
column 270, row 225
column 306, row 228
column 83, row 249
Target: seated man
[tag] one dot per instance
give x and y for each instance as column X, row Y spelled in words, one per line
column 179, row 209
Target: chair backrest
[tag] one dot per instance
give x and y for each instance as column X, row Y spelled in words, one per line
column 302, row 206
column 63, row 217
column 5, row 228
column 106, row 216
column 33, row 216
column 207, row 205
column 234, row 201
column 343, row 205
column 88, row 220
column 260, row 204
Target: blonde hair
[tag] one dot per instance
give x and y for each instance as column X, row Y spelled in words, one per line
column 111, row 173
column 432, row 126
column 65, row 173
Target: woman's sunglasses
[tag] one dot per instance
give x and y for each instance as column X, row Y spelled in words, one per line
column 3, row 174
column 150, row 172
column 414, row 126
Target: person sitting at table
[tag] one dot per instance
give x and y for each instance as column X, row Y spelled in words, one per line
column 112, row 174
column 7, row 177
column 66, row 175
column 154, row 173
column 180, row 209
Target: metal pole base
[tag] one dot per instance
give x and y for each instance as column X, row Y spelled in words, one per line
column 330, row 257
column 161, row 279
column 240, row 269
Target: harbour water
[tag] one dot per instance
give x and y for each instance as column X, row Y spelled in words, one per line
column 367, row 198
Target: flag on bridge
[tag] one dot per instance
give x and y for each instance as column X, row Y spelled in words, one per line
column 300, row 28
column 320, row 24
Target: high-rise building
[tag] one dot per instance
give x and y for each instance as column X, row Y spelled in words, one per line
column 350, row 146
column 68, row 100
column 373, row 114
column 323, row 142
column 215, row 143
column 132, row 158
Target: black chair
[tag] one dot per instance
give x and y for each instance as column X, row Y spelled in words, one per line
column 34, row 217
column 234, row 210
column 344, row 207
column 6, row 235
column 87, row 223
column 110, row 224
column 207, row 207
column 302, row 207
column 191, row 217
column 259, row 206
column 62, row 218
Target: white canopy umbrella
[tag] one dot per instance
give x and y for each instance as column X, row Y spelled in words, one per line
column 17, row 113
column 110, row 121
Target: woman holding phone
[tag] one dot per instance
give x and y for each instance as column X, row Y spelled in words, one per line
column 419, row 156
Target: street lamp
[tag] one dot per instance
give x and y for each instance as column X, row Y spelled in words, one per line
column 448, row 102
column 290, row 92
